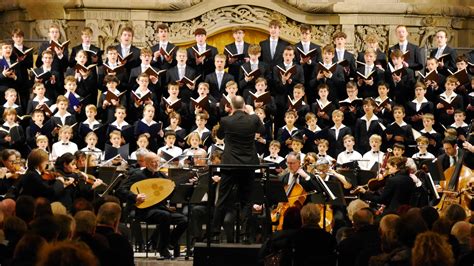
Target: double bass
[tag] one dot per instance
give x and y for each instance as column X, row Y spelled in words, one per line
column 296, row 198
column 457, row 179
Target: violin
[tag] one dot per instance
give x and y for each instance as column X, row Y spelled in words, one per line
column 49, row 175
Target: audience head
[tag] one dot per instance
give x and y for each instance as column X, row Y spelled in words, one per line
column 47, row 227
column 42, row 207
column 27, row 250
column 66, row 225
column 67, row 253
column 8, row 207
column 25, row 208
column 85, row 222
column 109, row 214
column 429, row 215
column 311, row 215
column 388, row 235
column 408, row 227
column 454, row 213
column 363, row 217
column 81, row 204
column 292, row 219
column 14, row 228
column 431, row 248
column 354, row 206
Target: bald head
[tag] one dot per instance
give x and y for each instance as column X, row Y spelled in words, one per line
column 152, row 161
column 462, row 231
column 8, row 207
column 238, row 103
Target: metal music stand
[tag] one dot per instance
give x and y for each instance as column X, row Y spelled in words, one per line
column 331, row 194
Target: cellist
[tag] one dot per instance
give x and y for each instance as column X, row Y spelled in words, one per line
column 296, row 173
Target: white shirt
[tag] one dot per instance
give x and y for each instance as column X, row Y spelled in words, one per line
column 152, row 122
column 403, row 45
column 456, row 126
column 119, row 127
column 96, row 151
column 63, row 118
column 274, row 159
column 447, row 98
column 173, row 151
column 418, row 104
column 40, row 102
column 91, row 124
column 125, row 49
column 337, row 130
column 372, row 157
column 60, row 148
column 426, row 155
column 347, row 157
column 368, row 121
column 201, row 132
column 340, row 54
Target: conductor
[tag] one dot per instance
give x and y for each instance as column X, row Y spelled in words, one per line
column 238, row 130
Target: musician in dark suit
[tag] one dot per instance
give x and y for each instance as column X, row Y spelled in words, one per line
column 94, row 54
column 296, row 173
column 399, row 188
column 204, row 65
column 162, row 60
column 272, row 48
column 448, row 62
column 218, row 79
column 307, row 62
column 247, row 83
column 158, row 213
column 239, row 47
column 451, row 153
column 238, row 130
column 414, row 60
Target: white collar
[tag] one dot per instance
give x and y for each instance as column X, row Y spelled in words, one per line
column 176, row 129
column 373, row 118
column 422, row 101
column 219, row 72
column 93, row 123
column 163, row 44
column 10, row 126
column 340, row 50
column 126, row 47
column 36, row 99
column 19, row 47
column 341, row 127
column 253, row 63
column 431, row 132
column 456, row 126
column 13, row 106
column 273, row 40
column 65, row 115
column 239, row 43
column 294, row 129
column 403, row 43
column 75, row 94
column 442, row 47
column 124, row 123
column 148, row 124
column 140, row 91
column 181, row 66
column 451, row 97
column 402, row 124
column 316, row 129
column 321, row 104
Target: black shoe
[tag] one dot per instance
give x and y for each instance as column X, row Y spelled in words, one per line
column 165, row 254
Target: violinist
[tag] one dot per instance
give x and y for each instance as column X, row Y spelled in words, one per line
column 34, row 181
column 9, row 170
column 399, row 187
column 83, row 187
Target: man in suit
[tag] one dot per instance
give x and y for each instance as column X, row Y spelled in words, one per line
column 307, row 62
column 448, row 62
column 178, row 72
column 272, row 48
column 162, row 60
column 158, row 213
column 25, row 65
column 296, row 173
column 414, row 61
column 451, row 153
column 238, row 130
column 204, row 65
column 60, row 59
column 239, row 47
column 94, row 54
column 339, row 40
column 218, row 79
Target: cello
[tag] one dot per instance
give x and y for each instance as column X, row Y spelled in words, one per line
column 296, row 198
column 457, row 177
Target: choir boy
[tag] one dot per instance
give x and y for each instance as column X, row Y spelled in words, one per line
column 239, row 48
column 163, row 51
column 343, row 57
column 337, row 132
column 180, row 72
column 86, row 79
column 169, row 149
column 201, row 56
column 288, row 131
column 12, row 135
column 141, row 97
column 400, row 79
column 331, row 74
column 384, row 104
column 459, row 124
column 434, row 86
column 150, row 126
column 380, row 60
column 108, row 104
column 8, row 74
column 94, row 54
column 173, row 104
column 247, row 80
column 24, row 55
column 218, row 78
column 145, row 63
column 374, row 157
column 422, row 146
column 399, row 130
column 60, row 55
column 308, row 55
column 323, row 108
column 311, row 133
column 64, row 144
column 366, row 126
column 91, row 140
column 128, row 53
column 434, row 137
column 323, row 147
column 414, row 59
column 261, row 87
column 201, row 129
column 448, row 102
column 273, row 47
column 419, row 106
column 47, row 75
column 11, row 97
column 371, row 75
column 349, row 155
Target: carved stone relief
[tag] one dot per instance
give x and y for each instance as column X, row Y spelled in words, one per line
column 361, row 32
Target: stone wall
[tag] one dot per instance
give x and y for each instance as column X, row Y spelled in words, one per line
column 356, row 18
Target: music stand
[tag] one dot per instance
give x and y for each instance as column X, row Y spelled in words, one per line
column 435, row 168
column 111, row 185
column 358, row 177
column 331, row 194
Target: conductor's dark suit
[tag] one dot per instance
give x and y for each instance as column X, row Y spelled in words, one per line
column 238, row 130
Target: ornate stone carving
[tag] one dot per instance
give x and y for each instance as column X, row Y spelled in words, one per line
column 108, row 30
column 221, row 18
column 42, row 27
column 362, row 31
column 165, row 5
